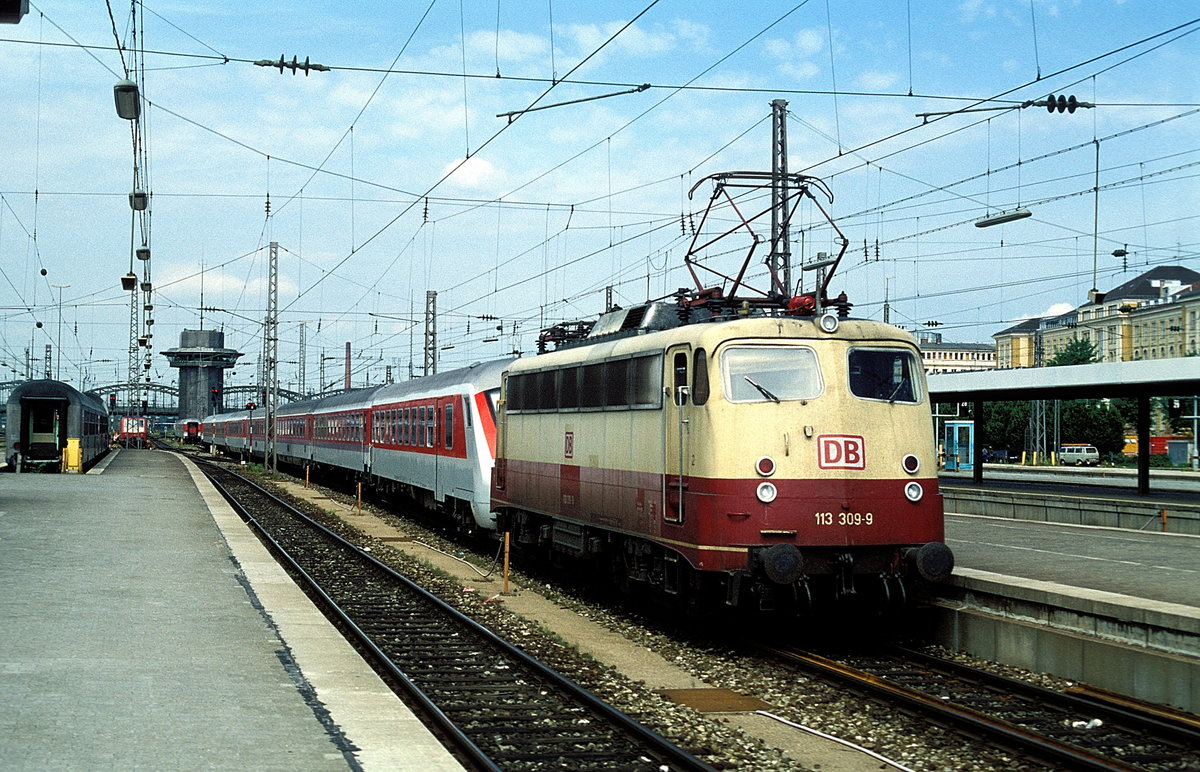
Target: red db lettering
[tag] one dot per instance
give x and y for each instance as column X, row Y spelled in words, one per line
column 841, row 451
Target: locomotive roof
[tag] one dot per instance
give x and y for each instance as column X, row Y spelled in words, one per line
column 46, row 388
column 711, row 334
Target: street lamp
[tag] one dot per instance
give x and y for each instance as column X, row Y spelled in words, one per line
column 58, row 343
column 129, row 105
column 1002, row 217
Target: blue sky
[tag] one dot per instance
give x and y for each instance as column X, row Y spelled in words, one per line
column 546, row 212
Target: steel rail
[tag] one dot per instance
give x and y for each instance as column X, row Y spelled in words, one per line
column 678, row 757
column 1179, row 728
column 443, row 722
column 976, row 722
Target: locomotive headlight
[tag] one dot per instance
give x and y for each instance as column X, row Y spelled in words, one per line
column 913, row 492
column 911, row 464
column 765, row 466
column 828, row 323
column 767, row 492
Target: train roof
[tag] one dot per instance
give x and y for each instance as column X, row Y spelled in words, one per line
column 341, row 400
column 47, row 388
column 480, row 375
column 710, row 334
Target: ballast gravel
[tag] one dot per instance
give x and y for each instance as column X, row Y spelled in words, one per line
column 792, row 695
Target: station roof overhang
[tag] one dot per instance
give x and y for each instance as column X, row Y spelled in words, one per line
column 1150, row 378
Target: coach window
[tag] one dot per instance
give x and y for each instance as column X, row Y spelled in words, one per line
column 568, row 388
column 646, row 381
column 591, row 386
column 699, row 377
column 515, row 392
column 448, row 422
column 430, row 430
column 616, row 383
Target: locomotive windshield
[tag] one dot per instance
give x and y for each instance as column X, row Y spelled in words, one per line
column 886, row 374
column 770, row 373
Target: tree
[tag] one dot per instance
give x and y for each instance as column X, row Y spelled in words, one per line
column 1004, row 424
column 1079, row 351
column 1094, row 422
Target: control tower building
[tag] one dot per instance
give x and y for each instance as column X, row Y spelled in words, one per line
column 202, row 360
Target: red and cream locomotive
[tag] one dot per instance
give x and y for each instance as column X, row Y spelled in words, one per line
column 776, row 460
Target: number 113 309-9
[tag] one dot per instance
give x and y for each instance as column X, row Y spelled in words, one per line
column 844, row 518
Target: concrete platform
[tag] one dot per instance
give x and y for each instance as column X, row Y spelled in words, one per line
column 146, row 627
column 1112, row 607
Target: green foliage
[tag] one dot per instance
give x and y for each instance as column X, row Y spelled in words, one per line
column 1094, row 422
column 1082, row 420
column 1077, row 352
column 1004, row 425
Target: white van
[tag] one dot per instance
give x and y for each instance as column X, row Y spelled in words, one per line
column 1078, row 455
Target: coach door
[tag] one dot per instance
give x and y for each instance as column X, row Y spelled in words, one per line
column 675, row 432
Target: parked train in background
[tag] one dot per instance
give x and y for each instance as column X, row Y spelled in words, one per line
column 132, row 432
column 54, row 427
column 186, row 431
column 774, row 462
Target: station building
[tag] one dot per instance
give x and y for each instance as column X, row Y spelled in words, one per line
column 1153, row 316
column 939, row 356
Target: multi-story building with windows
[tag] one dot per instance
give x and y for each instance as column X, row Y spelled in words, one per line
column 1153, row 316
column 938, row 356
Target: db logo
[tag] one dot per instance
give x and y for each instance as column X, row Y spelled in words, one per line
column 569, row 445
column 841, row 451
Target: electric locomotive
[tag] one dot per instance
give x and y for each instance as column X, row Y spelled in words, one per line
column 132, row 432
column 773, row 460
column 737, row 445
column 186, row 431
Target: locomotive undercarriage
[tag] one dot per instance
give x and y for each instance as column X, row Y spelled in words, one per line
column 781, row 579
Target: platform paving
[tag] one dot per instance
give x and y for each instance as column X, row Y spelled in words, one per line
column 145, row 627
column 1141, row 564
column 1113, row 607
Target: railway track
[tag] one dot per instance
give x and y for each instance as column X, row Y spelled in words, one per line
column 1063, row 730
column 501, row 708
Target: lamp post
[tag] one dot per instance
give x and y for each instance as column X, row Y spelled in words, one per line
column 58, row 342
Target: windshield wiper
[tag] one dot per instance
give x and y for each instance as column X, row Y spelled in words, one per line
column 896, row 391
column 762, row 389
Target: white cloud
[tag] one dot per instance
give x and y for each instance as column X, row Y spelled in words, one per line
column 878, row 81
column 792, row 53
column 1056, row 309
column 474, row 173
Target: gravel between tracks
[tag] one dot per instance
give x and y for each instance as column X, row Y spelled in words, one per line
column 743, row 741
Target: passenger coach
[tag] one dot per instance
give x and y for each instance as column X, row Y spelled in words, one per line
column 52, row 425
column 431, row 438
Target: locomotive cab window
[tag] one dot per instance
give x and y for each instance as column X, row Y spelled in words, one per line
column 888, row 374
column 679, row 369
column 770, row 373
